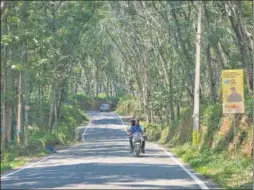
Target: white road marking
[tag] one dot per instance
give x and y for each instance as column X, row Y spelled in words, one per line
column 122, row 122
column 29, row 166
column 193, row 176
column 11, row 173
column 120, row 118
column 89, row 124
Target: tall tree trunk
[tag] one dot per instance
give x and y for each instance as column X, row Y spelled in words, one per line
column 20, row 110
column 219, row 56
column 172, row 113
column 3, row 102
column 26, row 96
column 52, row 106
column 178, row 110
column 10, row 106
column 236, row 20
column 168, row 77
column 210, row 75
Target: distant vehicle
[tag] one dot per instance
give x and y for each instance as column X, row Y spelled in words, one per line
column 105, row 107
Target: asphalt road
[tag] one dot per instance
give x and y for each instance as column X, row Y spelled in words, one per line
column 103, row 161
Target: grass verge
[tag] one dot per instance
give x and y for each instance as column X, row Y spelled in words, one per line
column 11, row 161
column 230, row 173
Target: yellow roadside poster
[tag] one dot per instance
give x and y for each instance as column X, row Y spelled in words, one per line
column 233, row 94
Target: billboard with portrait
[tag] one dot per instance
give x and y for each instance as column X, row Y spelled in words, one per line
column 233, row 93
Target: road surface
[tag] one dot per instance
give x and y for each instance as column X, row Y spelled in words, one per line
column 103, row 161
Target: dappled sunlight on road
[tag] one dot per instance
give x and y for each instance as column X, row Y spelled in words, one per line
column 104, row 161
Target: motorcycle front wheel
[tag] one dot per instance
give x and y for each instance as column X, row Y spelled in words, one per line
column 137, row 150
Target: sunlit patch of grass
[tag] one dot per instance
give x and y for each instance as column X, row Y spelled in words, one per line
column 204, row 170
column 11, row 164
column 17, row 163
column 5, row 167
column 227, row 173
column 41, row 154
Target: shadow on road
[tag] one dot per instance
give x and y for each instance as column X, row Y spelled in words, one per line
column 105, row 134
column 98, row 173
column 105, row 150
column 86, row 165
column 108, row 121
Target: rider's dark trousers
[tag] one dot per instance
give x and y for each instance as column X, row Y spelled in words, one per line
column 131, row 144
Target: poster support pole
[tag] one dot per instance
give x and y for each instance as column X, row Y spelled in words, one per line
column 234, row 120
column 235, row 117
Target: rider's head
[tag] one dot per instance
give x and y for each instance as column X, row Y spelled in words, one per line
column 133, row 122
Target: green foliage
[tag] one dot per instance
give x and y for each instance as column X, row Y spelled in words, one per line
column 211, row 114
column 80, row 97
column 248, row 102
column 11, row 164
column 110, row 99
column 72, row 115
column 68, row 47
column 217, row 163
column 18, row 67
column 226, row 172
column 153, row 131
column 164, row 135
column 102, row 96
column 127, row 105
column 39, row 137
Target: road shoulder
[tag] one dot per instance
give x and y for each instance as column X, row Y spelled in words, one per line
column 32, row 160
column 207, row 181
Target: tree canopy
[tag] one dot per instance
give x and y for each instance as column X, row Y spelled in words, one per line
column 51, row 49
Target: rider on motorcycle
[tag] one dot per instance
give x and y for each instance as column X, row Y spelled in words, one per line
column 143, row 133
column 134, row 128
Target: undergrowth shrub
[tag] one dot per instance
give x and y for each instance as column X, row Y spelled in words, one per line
column 127, row 105
column 37, row 138
column 153, row 131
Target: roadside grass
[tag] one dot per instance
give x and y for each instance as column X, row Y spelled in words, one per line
column 11, row 165
column 11, row 160
column 230, row 173
column 38, row 139
column 121, row 112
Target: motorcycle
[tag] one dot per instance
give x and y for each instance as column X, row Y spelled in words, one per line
column 137, row 143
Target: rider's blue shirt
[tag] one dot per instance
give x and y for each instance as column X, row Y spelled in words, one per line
column 135, row 129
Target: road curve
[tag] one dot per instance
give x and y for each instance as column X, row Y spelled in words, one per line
column 103, row 161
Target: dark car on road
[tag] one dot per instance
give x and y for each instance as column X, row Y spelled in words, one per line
column 104, row 107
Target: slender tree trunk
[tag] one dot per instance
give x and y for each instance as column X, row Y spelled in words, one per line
column 235, row 19
column 210, row 75
column 168, row 76
column 178, row 110
column 20, row 110
column 4, row 76
column 10, row 130
column 52, row 106
column 56, row 119
column 218, row 53
column 3, row 104
column 172, row 113
column 26, row 96
column 10, row 105
column 76, row 87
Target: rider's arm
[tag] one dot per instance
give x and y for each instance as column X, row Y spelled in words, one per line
column 130, row 130
column 143, row 130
